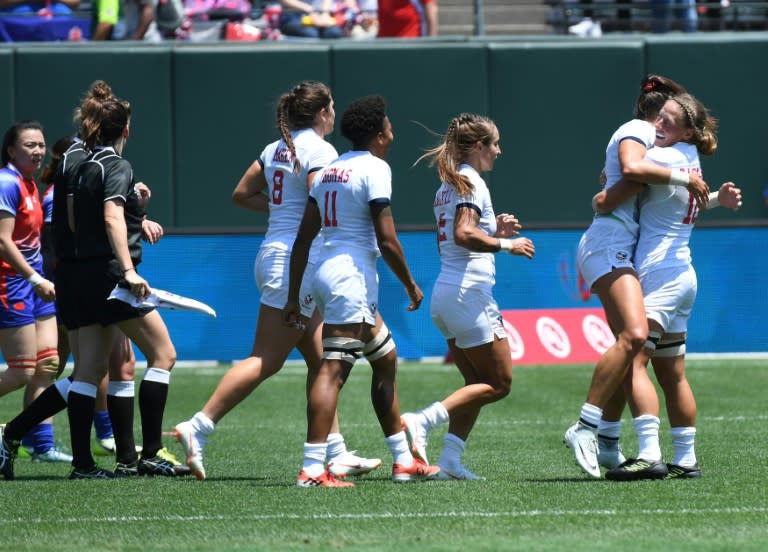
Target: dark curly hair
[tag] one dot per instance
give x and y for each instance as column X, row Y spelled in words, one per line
column 363, row 120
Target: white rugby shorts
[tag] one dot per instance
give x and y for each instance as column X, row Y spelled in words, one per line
column 270, row 270
column 469, row 315
column 669, row 294
column 346, row 289
column 597, row 256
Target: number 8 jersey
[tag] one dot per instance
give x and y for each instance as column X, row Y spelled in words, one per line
column 288, row 190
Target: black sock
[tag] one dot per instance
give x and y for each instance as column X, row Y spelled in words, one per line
column 80, row 412
column 48, row 403
column 121, row 413
column 152, row 398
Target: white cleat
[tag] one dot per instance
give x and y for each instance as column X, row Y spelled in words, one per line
column 52, row 455
column 457, row 473
column 350, row 464
column 193, row 442
column 583, row 442
column 416, row 435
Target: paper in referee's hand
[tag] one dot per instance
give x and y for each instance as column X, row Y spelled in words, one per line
column 161, row 299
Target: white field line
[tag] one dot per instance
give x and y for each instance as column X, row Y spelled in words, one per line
column 386, row 515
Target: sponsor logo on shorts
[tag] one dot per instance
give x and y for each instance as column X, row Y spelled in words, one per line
column 622, row 256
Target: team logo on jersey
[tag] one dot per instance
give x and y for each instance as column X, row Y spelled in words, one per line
column 622, row 256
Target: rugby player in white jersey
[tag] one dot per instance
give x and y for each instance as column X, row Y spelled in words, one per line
column 604, row 257
column 667, row 216
column 462, row 307
column 350, row 201
column 278, row 183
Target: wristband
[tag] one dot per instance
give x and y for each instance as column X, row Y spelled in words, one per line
column 713, row 201
column 678, row 178
column 35, row 279
column 505, row 244
column 128, row 269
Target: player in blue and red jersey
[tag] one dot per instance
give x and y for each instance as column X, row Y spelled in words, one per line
column 27, row 320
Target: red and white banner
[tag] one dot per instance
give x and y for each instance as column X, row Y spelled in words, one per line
column 556, row 336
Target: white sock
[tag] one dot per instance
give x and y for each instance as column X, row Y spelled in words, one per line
column 453, row 448
column 202, row 423
column 683, row 439
column 611, row 430
column 590, row 416
column 434, row 415
column 398, row 446
column 336, row 446
column 647, row 428
column 314, row 458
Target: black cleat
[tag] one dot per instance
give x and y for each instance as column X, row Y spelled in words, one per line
column 635, row 469
column 130, row 469
column 681, row 472
column 7, row 456
column 94, row 472
column 156, row 466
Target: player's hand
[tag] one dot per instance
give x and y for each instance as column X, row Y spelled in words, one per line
column 138, row 286
column 151, row 231
column 416, row 296
column 46, row 291
column 292, row 315
column 729, row 196
column 144, row 193
column 507, row 225
column 699, row 190
column 523, row 247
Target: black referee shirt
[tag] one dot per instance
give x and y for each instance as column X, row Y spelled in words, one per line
column 102, row 176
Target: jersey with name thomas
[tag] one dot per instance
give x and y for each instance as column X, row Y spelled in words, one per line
column 343, row 192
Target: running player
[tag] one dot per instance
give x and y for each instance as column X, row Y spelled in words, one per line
column 350, row 201
column 278, row 182
column 462, row 306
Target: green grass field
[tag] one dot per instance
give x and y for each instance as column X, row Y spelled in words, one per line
column 535, row 497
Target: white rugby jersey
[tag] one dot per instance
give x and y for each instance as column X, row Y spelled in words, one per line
column 626, row 213
column 343, row 191
column 458, row 265
column 667, row 213
column 288, row 190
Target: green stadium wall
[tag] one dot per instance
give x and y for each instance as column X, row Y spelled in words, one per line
column 202, row 113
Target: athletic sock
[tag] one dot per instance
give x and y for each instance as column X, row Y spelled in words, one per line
column 48, row 403
column 590, row 416
column 398, row 446
column 453, row 448
column 336, row 446
column 314, row 459
column 102, row 424
column 434, row 415
column 82, row 399
column 153, row 394
column 647, row 428
column 683, row 441
column 120, row 404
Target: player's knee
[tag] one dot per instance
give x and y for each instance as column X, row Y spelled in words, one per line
column 19, row 373
column 633, row 338
column 345, row 349
column 381, row 345
column 48, row 364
